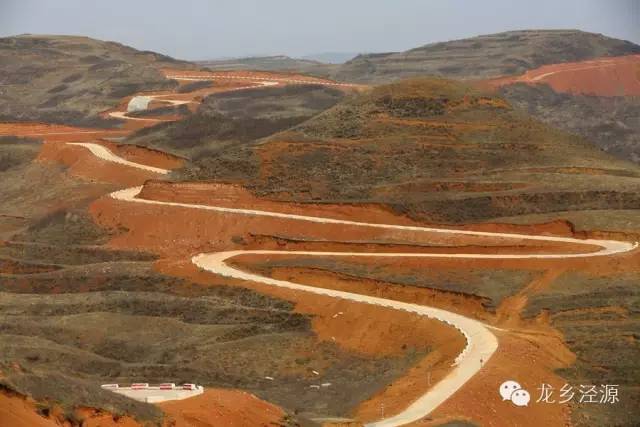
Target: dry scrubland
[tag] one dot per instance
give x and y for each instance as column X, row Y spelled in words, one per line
column 489, row 286
column 75, row 315
column 491, row 55
column 441, row 151
column 599, row 316
column 608, row 122
column 611, row 123
column 219, row 137
column 272, row 63
column 70, row 80
column 435, row 150
column 432, row 149
column 485, row 56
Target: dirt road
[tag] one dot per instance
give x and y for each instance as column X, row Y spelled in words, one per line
column 481, row 343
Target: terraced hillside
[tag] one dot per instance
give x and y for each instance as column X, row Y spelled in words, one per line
column 62, row 285
column 280, row 175
column 435, row 150
column 68, row 79
column 492, row 55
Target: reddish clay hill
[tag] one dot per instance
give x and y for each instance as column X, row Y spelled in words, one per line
column 611, row 76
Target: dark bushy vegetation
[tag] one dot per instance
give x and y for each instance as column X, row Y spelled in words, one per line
column 436, row 150
column 193, row 86
column 73, row 79
column 180, row 110
column 219, row 138
column 611, row 123
column 16, row 152
column 600, row 320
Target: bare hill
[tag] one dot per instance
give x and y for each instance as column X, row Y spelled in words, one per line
column 485, row 56
column 69, row 79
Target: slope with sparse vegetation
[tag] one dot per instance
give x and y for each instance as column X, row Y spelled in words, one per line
column 435, row 150
column 492, row 55
column 68, row 79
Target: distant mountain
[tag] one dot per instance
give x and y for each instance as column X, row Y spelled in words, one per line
column 486, row 56
column 331, row 57
column 271, row 63
column 69, row 79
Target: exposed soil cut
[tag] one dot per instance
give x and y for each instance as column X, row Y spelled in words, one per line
column 82, row 164
column 618, row 76
column 56, row 133
column 217, row 408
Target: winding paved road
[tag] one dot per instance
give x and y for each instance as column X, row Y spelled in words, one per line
column 104, row 153
column 481, row 343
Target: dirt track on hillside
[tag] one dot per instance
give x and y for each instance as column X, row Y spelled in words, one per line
column 208, row 225
column 181, row 233
column 617, row 76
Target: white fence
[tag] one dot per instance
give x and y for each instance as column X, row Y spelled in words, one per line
column 144, row 392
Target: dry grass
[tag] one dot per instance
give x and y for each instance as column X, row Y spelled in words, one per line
column 600, row 320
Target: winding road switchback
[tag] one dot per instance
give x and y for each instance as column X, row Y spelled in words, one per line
column 481, row 343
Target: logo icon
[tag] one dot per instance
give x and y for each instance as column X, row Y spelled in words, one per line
column 513, row 391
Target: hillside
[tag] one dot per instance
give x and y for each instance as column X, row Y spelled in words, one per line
column 224, row 126
column 69, row 80
column 296, row 186
column 271, row 63
column 331, row 57
column 610, row 76
column 611, row 123
column 436, row 150
column 596, row 99
column 485, row 56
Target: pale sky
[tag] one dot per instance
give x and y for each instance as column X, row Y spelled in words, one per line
column 202, row 29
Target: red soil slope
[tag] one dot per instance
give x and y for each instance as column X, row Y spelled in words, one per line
column 217, row 408
column 16, row 411
column 214, row 408
column 56, row 133
column 617, row 76
column 191, row 231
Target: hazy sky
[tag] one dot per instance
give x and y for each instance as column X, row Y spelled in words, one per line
column 200, row 29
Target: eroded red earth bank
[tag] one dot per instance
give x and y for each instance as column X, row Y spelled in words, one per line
column 610, row 76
